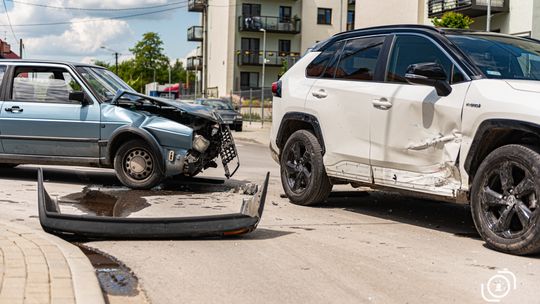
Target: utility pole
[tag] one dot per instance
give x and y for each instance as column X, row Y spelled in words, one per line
column 262, row 79
column 21, row 48
column 488, row 18
column 116, row 54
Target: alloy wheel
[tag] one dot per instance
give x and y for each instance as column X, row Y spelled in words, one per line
column 298, row 167
column 138, row 164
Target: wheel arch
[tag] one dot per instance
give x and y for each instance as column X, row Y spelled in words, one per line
column 294, row 121
column 125, row 134
column 495, row 133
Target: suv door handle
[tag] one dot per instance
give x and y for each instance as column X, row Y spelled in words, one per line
column 381, row 103
column 320, row 94
column 14, row 109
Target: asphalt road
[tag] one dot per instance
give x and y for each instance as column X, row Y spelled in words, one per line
column 361, row 246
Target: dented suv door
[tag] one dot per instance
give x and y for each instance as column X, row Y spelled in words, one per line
column 416, row 134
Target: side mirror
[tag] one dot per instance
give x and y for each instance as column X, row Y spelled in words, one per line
column 78, row 96
column 430, row 74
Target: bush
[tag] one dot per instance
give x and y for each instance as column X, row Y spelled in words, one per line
column 453, row 20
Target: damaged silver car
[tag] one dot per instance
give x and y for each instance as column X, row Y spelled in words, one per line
column 64, row 113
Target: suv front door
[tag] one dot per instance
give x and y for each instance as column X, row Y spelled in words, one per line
column 416, row 134
column 341, row 100
column 38, row 118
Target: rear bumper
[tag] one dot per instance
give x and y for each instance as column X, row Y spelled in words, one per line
column 55, row 222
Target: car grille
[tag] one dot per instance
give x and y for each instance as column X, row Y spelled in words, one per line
column 228, row 150
column 227, row 117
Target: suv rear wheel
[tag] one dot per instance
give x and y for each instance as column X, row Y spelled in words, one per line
column 303, row 175
column 136, row 165
column 505, row 195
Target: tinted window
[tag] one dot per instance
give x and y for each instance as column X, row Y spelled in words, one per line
column 502, row 57
column 359, row 59
column 317, row 67
column 43, row 85
column 2, row 71
column 409, row 49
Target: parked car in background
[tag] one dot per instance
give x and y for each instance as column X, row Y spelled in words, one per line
column 64, row 113
column 446, row 114
column 225, row 109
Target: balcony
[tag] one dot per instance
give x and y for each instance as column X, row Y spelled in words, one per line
column 196, row 5
column 270, row 24
column 195, row 33
column 194, row 63
column 471, row 8
column 273, row 58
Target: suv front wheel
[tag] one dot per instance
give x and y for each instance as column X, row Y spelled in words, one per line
column 303, row 175
column 136, row 165
column 505, row 199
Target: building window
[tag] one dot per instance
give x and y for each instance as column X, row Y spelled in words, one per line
column 285, row 14
column 249, row 80
column 324, row 16
column 251, row 10
column 284, row 47
column 350, row 20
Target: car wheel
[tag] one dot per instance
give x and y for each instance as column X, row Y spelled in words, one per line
column 137, row 166
column 238, row 128
column 504, row 199
column 303, row 175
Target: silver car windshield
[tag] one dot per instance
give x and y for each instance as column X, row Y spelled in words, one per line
column 103, row 82
column 501, row 57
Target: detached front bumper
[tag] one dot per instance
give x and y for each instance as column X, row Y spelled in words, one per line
column 53, row 221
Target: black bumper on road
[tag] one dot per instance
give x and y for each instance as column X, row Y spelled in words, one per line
column 91, row 226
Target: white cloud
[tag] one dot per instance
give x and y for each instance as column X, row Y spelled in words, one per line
column 80, row 39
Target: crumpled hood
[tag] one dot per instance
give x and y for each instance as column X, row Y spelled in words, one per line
column 194, row 109
column 525, row 85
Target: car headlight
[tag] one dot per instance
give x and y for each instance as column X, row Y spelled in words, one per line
column 238, row 116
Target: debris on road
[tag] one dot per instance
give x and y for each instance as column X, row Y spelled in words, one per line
column 93, row 226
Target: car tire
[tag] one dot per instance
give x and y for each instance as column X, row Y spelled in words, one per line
column 303, row 176
column 136, row 165
column 238, row 128
column 504, row 199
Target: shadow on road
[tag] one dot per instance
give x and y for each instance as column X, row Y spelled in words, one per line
column 441, row 216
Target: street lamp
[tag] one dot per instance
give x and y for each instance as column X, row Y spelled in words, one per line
column 488, row 19
column 262, row 78
column 116, row 54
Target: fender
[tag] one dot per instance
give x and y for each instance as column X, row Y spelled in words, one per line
column 492, row 125
column 284, row 133
column 149, row 138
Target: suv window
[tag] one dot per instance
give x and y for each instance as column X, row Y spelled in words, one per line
column 318, row 66
column 38, row 84
column 411, row 49
column 359, row 58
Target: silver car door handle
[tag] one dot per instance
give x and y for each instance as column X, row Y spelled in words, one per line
column 320, row 94
column 382, row 103
column 14, row 109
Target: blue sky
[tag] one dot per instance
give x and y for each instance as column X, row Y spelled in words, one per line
column 88, row 29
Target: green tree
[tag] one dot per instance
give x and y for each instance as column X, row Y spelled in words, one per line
column 102, row 63
column 150, row 59
column 453, row 20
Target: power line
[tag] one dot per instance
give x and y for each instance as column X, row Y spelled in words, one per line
column 9, row 22
column 92, row 20
column 98, row 9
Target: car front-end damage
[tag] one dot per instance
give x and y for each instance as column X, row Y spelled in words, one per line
column 191, row 137
column 90, row 226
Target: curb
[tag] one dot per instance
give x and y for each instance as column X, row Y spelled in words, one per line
column 86, row 287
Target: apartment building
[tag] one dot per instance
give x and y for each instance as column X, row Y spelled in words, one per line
column 242, row 33
column 515, row 17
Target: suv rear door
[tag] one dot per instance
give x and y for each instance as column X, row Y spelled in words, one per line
column 342, row 100
column 415, row 140
column 38, row 118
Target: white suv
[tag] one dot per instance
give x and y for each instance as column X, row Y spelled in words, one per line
column 447, row 114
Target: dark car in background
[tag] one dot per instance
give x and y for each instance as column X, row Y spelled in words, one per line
column 225, row 109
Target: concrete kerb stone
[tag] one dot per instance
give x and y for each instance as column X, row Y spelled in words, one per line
column 58, row 252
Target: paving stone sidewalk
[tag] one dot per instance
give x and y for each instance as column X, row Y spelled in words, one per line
column 37, row 267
